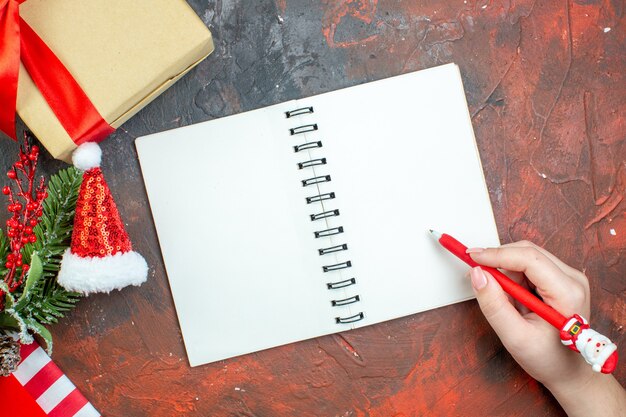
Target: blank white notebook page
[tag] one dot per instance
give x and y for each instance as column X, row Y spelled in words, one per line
column 402, row 159
column 234, row 243
column 239, row 244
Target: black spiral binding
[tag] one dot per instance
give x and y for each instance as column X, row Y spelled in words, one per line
column 303, row 129
column 341, row 284
column 320, row 197
column 323, row 215
column 309, row 145
column 316, row 180
column 350, row 319
column 312, row 163
column 328, row 232
column 346, row 301
column 338, row 248
column 337, row 267
column 298, row 112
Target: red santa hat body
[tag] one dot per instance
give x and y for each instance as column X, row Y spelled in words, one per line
column 101, row 257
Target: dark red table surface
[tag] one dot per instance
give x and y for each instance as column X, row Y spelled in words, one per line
column 545, row 82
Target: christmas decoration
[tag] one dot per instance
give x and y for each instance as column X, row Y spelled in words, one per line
column 38, row 232
column 9, row 355
column 597, row 350
column 101, row 257
column 62, row 238
column 50, row 390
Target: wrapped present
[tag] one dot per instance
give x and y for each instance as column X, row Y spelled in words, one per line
column 78, row 69
column 39, row 388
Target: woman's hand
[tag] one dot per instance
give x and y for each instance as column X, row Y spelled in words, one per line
column 534, row 343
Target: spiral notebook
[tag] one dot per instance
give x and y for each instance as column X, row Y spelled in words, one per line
column 311, row 217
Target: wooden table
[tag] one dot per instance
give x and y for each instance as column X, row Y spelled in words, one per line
column 545, row 82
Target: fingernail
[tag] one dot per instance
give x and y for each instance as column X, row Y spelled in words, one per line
column 474, row 250
column 479, row 279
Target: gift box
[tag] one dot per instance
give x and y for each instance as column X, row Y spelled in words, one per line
column 38, row 388
column 121, row 53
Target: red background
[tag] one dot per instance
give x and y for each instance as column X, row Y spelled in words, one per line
column 545, row 83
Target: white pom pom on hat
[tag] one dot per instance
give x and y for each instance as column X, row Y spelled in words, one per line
column 87, row 156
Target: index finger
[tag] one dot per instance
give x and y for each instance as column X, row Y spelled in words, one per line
column 550, row 280
column 572, row 272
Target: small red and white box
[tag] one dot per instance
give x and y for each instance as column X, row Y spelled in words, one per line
column 53, row 392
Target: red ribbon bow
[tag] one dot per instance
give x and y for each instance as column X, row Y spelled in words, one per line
column 68, row 101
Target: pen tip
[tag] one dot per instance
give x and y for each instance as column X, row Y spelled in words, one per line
column 435, row 233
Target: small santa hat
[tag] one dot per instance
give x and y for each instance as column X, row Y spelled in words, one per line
column 101, row 257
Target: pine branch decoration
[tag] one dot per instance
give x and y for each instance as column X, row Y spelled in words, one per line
column 4, row 250
column 40, row 299
column 54, row 233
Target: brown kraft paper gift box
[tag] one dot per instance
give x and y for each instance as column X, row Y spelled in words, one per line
column 123, row 54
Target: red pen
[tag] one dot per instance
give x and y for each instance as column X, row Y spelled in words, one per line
column 575, row 333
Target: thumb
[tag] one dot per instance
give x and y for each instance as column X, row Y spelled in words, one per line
column 507, row 322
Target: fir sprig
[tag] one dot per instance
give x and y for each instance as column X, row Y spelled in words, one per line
column 54, row 234
column 41, row 300
column 4, row 250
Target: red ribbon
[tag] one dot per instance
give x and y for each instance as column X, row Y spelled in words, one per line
column 18, row 41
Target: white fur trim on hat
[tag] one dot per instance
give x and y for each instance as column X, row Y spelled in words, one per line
column 91, row 274
column 87, row 156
